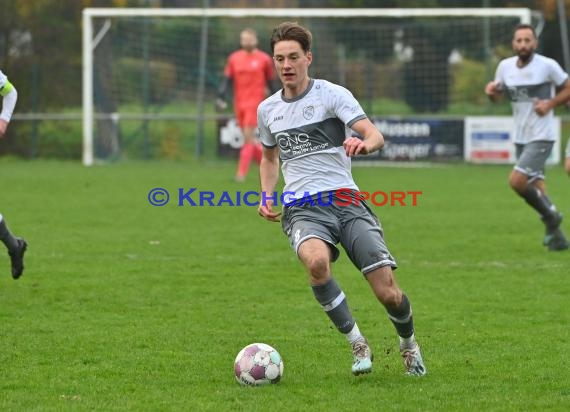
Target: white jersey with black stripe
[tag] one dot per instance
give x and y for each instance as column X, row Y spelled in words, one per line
column 524, row 85
column 309, row 131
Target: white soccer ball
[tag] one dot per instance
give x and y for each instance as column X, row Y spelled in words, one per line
column 258, row 364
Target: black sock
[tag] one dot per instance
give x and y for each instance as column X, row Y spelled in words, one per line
column 402, row 318
column 6, row 236
column 333, row 301
column 539, row 202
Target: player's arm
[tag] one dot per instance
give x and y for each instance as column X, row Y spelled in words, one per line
column 544, row 106
column 222, row 93
column 494, row 91
column 372, row 139
column 268, row 176
column 9, row 98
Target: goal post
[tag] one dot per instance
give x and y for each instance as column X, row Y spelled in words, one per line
column 150, row 74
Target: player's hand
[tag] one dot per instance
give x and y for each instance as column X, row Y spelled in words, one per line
column 221, row 104
column 493, row 88
column 542, row 107
column 354, row 146
column 266, row 211
column 3, row 127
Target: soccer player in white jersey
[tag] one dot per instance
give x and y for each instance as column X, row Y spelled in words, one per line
column 16, row 246
column 530, row 81
column 305, row 126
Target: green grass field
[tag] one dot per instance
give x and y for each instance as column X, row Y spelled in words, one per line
column 126, row 306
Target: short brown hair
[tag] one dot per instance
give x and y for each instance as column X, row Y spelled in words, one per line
column 290, row 30
column 524, row 26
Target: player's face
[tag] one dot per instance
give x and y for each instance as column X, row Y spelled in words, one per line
column 524, row 44
column 292, row 65
column 248, row 41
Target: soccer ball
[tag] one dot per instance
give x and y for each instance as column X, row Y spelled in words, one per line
column 258, row 364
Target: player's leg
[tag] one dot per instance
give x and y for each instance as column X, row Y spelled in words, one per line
column 399, row 310
column 248, row 122
column 527, row 180
column 16, row 248
column 313, row 241
column 364, row 242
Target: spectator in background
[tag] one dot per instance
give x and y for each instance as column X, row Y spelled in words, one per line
column 251, row 72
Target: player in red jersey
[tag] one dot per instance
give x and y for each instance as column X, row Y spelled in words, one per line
column 251, row 73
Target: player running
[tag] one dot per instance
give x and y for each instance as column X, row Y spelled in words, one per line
column 16, row 246
column 306, row 126
column 529, row 79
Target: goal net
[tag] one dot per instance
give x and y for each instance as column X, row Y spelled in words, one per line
column 151, row 75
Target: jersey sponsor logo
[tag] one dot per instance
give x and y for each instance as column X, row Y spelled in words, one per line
column 528, row 93
column 292, row 145
column 310, row 138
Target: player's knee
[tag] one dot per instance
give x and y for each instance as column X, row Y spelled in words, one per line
column 317, row 267
column 517, row 183
column 390, row 297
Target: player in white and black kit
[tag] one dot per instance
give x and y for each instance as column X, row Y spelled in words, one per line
column 306, row 127
column 530, row 81
column 16, row 246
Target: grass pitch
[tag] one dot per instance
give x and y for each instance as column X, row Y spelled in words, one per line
column 127, row 306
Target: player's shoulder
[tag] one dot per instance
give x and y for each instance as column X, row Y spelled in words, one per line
column 330, row 90
column 265, row 55
column 237, row 54
column 270, row 101
column 545, row 60
column 509, row 62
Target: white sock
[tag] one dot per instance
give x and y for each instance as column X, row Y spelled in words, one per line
column 408, row 343
column 354, row 334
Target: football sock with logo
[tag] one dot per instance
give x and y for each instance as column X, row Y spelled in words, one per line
column 6, row 236
column 539, row 202
column 402, row 319
column 333, row 301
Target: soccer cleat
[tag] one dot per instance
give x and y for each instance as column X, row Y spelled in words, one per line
column 413, row 361
column 556, row 241
column 363, row 357
column 552, row 227
column 17, row 258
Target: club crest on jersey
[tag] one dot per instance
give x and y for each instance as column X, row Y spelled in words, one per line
column 308, row 112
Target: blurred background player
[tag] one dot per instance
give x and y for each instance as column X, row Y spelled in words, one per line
column 567, row 158
column 251, row 72
column 529, row 79
column 16, row 246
